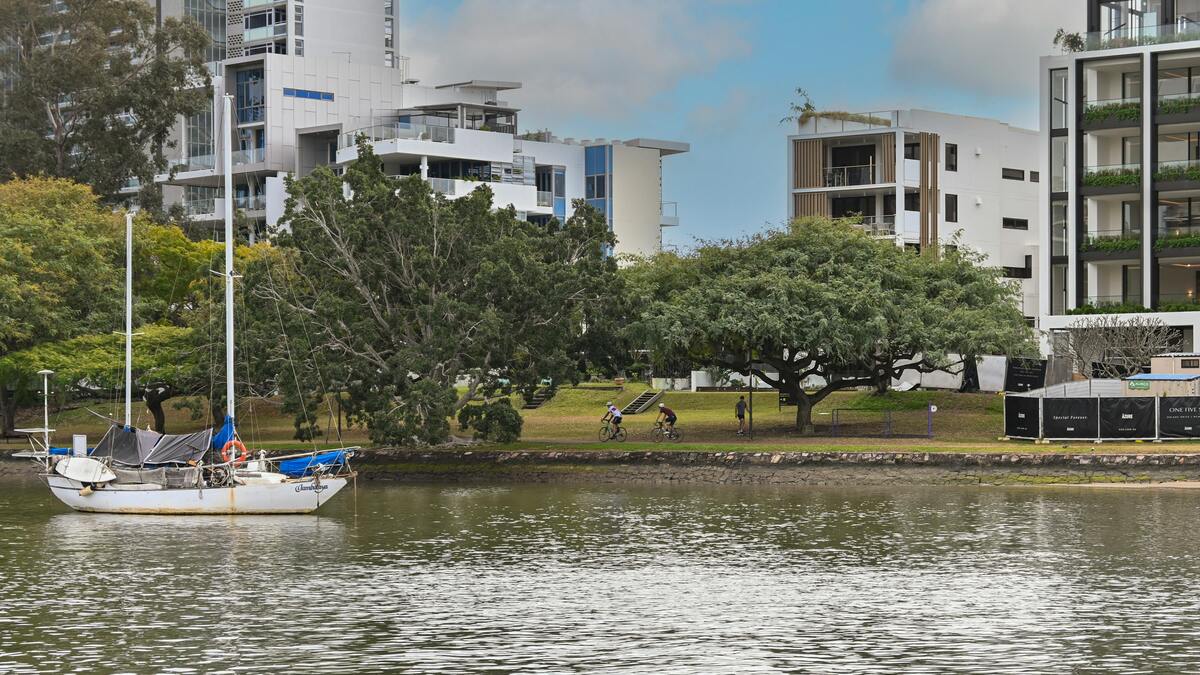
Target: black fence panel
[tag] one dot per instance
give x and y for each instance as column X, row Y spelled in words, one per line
column 1021, row 418
column 1131, row 417
column 1179, row 416
column 1024, row 374
column 1070, row 418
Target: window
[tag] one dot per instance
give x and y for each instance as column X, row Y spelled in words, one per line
column 259, row 20
column 912, row 201
column 299, row 47
column 300, row 20
column 951, row 208
column 1025, row 272
column 388, row 30
column 912, row 151
column 594, row 188
column 1058, row 228
column 1058, row 164
column 1058, row 99
column 1016, row 224
column 1035, row 177
column 388, row 59
column 952, row 157
column 387, row 7
column 308, row 93
column 1189, row 363
column 1012, row 174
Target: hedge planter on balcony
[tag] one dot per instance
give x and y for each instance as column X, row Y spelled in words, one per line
column 1180, row 242
column 1174, row 174
column 1112, row 178
column 1178, row 106
column 1113, row 245
column 1109, row 309
column 1112, row 112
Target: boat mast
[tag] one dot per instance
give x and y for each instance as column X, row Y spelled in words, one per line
column 227, row 163
column 128, row 317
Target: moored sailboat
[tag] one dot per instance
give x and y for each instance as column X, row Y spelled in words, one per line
column 205, row 472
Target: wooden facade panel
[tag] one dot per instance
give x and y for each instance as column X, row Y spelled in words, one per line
column 811, row 204
column 887, row 159
column 930, row 192
column 808, row 170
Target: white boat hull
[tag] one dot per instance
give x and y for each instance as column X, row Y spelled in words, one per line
column 303, row 495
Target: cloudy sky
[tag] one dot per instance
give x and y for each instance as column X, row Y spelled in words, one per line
column 719, row 74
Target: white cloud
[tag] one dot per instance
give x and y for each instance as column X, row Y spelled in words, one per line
column 605, row 58
column 983, row 47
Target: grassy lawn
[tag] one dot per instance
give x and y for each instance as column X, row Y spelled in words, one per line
column 571, row 420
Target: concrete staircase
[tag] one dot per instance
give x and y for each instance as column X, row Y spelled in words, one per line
column 643, row 401
column 536, row 400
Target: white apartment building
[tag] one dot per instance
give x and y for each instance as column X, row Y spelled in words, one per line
column 1121, row 144
column 294, row 113
column 953, row 175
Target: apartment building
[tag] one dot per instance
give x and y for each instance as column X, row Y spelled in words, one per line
column 924, row 178
column 1121, row 144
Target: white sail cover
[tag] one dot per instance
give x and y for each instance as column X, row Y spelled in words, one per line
column 138, row 447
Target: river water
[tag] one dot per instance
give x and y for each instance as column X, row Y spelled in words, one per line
column 549, row 578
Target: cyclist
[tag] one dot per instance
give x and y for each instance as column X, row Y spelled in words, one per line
column 667, row 416
column 613, row 413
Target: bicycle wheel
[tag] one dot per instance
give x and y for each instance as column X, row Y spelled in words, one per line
column 677, row 436
column 620, row 433
column 656, row 434
column 605, row 434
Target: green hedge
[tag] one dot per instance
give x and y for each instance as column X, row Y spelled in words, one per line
column 1183, row 241
column 1113, row 244
column 1178, row 105
column 1121, row 308
column 1125, row 111
column 1111, row 177
column 1179, row 307
column 1172, row 173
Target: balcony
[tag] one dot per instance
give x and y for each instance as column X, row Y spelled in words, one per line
column 250, row 156
column 265, row 33
column 1178, row 302
column 443, row 186
column 195, row 163
column 403, row 130
column 668, row 214
column 1178, row 107
column 201, row 207
column 840, row 176
column 1115, row 244
column 835, row 121
column 250, row 202
column 1112, row 113
column 1112, row 178
column 259, row 3
column 1184, row 172
column 878, row 226
column 1138, row 36
column 1177, row 238
column 545, row 198
column 1111, row 304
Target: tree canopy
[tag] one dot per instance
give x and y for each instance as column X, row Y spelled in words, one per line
column 415, row 304
column 94, row 89
column 820, row 306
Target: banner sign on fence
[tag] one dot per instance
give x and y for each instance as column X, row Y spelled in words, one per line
column 1131, row 417
column 1179, row 417
column 1070, row 418
column 1021, row 417
column 1024, row 374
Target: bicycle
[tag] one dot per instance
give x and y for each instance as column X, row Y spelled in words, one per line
column 607, row 433
column 659, row 432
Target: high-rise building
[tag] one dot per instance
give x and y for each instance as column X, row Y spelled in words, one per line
column 306, row 83
column 923, row 179
column 1120, row 143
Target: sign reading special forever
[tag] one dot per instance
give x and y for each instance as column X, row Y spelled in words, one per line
column 1179, row 416
column 1131, row 417
column 1070, row 418
column 1021, row 417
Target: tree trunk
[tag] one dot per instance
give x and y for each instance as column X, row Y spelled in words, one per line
column 883, row 382
column 154, row 397
column 8, row 411
column 803, row 412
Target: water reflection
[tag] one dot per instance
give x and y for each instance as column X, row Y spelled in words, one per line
column 550, row 578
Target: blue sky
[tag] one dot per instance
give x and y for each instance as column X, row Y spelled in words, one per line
column 720, row 74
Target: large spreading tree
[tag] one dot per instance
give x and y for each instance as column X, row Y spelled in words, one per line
column 94, row 89
column 413, row 304
column 820, row 307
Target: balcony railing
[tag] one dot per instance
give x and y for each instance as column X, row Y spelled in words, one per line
column 403, row 130
column 836, row 121
column 1134, row 302
column 1176, row 170
column 195, row 163
column 443, row 185
column 255, row 3
column 249, row 156
column 1178, row 302
column 1113, row 175
column 1113, row 240
column 876, row 226
column 200, row 207
column 1172, row 104
column 839, row 176
column 1112, row 109
column 1137, row 36
column 545, row 198
column 250, row 202
column 265, row 32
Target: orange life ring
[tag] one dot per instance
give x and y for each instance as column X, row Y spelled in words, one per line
column 237, row 458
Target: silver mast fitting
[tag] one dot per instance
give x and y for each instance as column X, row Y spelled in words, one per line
column 227, row 164
column 128, row 318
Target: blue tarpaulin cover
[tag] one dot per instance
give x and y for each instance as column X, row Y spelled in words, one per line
column 224, row 434
column 67, row 451
column 303, row 466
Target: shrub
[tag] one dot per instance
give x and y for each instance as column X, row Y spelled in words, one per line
column 1111, row 177
column 1173, row 106
column 1177, row 172
column 1182, row 241
column 1125, row 111
column 1119, row 308
column 496, row 421
column 1113, row 244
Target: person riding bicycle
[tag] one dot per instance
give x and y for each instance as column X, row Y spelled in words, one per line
column 613, row 413
column 667, row 416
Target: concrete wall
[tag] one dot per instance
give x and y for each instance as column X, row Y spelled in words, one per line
column 636, row 194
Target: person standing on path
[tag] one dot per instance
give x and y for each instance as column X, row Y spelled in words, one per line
column 740, row 410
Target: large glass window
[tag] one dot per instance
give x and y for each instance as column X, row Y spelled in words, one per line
column 1131, row 150
column 249, row 94
column 1058, row 289
column 1131, row 85
column 210, row 14
column 952, row 157
column 1058, row 227
column 1131, row 284
column 1179, row 147
column 951, row 208
column 1131, row 218
column 1058, row 164
column 1187, row 15
column 1058, row 99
